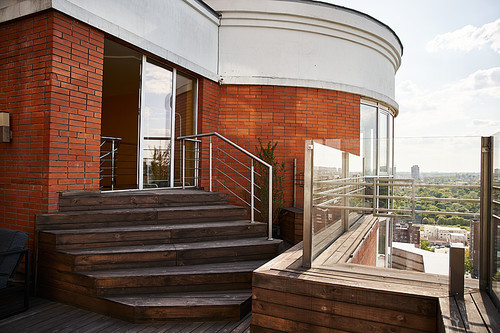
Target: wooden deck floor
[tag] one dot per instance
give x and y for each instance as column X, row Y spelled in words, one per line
column 48, row 316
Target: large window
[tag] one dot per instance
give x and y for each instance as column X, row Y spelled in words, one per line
column 377, row 138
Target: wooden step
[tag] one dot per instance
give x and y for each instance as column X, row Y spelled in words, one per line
column 150, row 234
column 127, row 217
column 229, row 305
column 85, row 201
column 216, row 276
column 169, row 254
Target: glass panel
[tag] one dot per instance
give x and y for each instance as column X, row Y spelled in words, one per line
column 495, row 281
column 368, row 135
column 156, row 125
column 383, row 149
column 326, row 219
column 184, row 125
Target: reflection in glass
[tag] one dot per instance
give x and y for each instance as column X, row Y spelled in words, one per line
column 368, row 135
column 184, row 125
column 326, row 221
column 156, row 125
column 383, row 133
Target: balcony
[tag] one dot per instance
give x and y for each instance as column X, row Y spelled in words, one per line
column 343, row 275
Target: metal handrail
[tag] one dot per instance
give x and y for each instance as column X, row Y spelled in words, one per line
column 331, row 193
column 195, row 138
column 115, row 144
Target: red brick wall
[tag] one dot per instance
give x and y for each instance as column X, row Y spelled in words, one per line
column 50, row 83
column 287, row 115
column 366, row 254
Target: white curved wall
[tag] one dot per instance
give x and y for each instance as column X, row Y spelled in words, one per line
column 305, row 43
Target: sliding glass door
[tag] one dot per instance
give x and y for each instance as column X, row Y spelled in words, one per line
column 167, row 111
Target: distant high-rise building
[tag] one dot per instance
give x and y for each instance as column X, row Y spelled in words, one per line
column 415, row 172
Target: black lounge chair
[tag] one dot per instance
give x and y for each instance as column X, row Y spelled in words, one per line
column 12, row 252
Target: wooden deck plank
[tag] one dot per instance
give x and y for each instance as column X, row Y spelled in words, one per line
column 61, row 318
column 489, row 313
column 473, row 322
column 450, row 320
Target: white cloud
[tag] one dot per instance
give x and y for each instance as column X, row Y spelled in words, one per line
column 468, row 38
column 465, row 107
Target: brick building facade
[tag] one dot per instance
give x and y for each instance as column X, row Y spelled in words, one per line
column 52, row 73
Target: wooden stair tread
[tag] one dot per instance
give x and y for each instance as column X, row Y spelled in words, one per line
column 151, row 227
column 186, row 299
column 175, row 247
column 140, row 210
column 232, row 267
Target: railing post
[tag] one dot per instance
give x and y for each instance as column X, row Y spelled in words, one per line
column 308, row 202
column 183, row 164
column 112, row 164
column 345, row 201
column 252, row 185
column 270, row 231
column 294, row 182
column 375, row 195
column 486, row 238
column 413, row 198
column 210, row 165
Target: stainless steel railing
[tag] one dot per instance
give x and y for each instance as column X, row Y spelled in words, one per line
column 222, row 164
column 336, row 191
column 109, row 148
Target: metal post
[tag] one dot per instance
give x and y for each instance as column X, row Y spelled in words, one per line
column 413, row 198
column 183, row 164
column 294, row 182
column 270, row 199
column 112, row 164
column 345, row 201
column 252, row 195
column 308, row 200
column 375, row 195
column 485, row 242
column 197, row 163
column 210, row 165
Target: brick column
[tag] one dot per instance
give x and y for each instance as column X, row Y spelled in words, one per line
column 51, row 85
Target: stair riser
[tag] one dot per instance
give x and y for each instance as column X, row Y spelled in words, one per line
column 172, row 257
column 86, row 285
column 120, row 219
column 121, row 201
column 146, row 314
column 94, row 240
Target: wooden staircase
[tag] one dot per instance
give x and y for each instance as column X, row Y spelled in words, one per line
column 152, row 255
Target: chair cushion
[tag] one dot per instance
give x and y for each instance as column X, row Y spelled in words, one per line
column 10, row 240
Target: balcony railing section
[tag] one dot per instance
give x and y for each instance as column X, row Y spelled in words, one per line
column 338, row 192
column 213, row 161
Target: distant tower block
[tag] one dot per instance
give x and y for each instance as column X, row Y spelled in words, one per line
column 415, row 172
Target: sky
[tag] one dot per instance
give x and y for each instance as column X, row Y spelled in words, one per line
column 448, row 84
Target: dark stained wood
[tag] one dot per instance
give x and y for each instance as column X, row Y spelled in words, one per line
column 356, row 298
column 145, row 216
column 47, row 316
column 74, row 201
column 116, row 254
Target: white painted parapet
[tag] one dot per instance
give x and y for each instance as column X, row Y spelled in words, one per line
column 309, row 44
